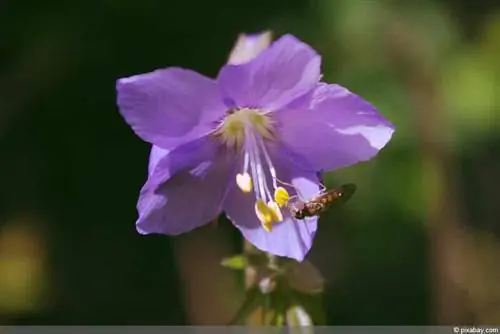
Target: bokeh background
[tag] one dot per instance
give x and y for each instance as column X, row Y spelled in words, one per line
column 418, row 244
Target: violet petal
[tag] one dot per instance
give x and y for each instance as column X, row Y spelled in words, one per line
column 188, row 199
column 156, row 154
column 338, row 130
column 279, row 74
column 164, row 165
column 170, row 106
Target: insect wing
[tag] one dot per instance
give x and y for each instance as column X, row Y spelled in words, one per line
column 344, row 193
column 348, row 191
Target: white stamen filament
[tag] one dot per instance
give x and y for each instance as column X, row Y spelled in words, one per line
column 253, row 164
column 272, row 170
column 246, row 161
column 249, row 129
column 255, row 145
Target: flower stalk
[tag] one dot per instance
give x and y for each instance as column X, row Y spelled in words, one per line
column 243, row 144
column 245, row 49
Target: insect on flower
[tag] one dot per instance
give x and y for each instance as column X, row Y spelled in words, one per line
column 323, row 201
column 225, row 143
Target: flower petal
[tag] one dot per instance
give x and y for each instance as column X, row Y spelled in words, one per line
column 164, row 164
column 289, row 238
column 338, row 130
column 169, row 106
column 190, row 198
column 156, row 154
column 248, row 47
column 279, row 74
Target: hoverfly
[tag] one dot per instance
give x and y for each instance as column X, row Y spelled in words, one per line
column 321, row 202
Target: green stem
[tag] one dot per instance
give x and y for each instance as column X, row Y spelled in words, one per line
column 250, row 281
column 265, row 310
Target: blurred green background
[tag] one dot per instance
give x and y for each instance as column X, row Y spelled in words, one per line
column 418, row 244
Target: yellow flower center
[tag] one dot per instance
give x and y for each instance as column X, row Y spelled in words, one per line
column 232, row 130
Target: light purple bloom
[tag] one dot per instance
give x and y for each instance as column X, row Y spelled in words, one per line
column 266, row 120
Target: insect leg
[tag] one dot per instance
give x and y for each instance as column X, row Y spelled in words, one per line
column 320, row 176
column 321, row 181
column 292, row 206
column 300, row 196
column 292, row 201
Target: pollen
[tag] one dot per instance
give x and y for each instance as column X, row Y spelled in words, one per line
column 244, row 182
column 264, row 214
column 276, row 214
column 281, row 196
column 232, row 128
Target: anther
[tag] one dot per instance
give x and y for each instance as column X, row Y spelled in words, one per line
column 264, row 214
column 281, row 196
column 275, row 211
column 244, row 182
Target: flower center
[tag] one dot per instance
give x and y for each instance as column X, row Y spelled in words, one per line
column 232, row 129
column 248, row 130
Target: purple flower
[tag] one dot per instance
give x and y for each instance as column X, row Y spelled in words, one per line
column 235, row 144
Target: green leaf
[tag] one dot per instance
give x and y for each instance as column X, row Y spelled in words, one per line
column 253, row 299
column 236, row 262
column 256, row 259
